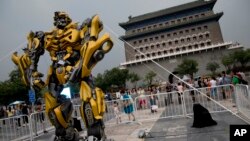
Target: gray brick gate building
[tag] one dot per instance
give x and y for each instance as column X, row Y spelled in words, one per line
column 168, row 36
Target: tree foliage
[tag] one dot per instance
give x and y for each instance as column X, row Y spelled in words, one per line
column 232, row 60
column 188, row 66
column 134, row 78
column 227, row 61
column 149, row 77
column 114, row 77
column 242, row 57
column 212, row 66
column 13, row 89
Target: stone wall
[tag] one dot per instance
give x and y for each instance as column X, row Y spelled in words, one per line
column 171, row 63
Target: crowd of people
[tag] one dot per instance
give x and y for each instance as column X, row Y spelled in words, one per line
column 148, row 98
column 17, row 115
column 15, row 111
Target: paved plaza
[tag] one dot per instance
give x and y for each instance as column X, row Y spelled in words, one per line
column 170, row 129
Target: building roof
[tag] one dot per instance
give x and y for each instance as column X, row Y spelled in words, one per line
column 168, row 11
column 166, row 28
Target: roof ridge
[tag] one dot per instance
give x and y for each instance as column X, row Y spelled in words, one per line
column 169, row 10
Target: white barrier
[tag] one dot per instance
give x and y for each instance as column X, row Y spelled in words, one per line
column 209, row 97
column 169, row 105
column 13, row 128
column 243, row 100
column 39, row 124
column 109, row 116
column 173, row 104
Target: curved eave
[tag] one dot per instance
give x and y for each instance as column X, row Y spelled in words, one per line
column 161, row 29
column 168, row 11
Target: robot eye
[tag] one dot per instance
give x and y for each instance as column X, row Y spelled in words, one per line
column 62, row 16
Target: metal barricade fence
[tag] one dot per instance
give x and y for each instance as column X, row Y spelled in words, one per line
column 39, row 124
column 156, row 106
column 243, row 100
column 14, row 128
column 209, row 97
column 109, row 116
column 146, row 107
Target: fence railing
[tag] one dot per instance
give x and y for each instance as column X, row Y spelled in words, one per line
column 14, row 128
column 39, row 124
column 243, row 100
column 215, row 99
column 145, row 107
column 162, row 105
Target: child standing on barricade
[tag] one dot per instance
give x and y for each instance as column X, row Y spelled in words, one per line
column 117, row 112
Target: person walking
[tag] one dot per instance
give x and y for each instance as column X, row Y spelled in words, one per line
column 127, row 104
column 235, row 81
column 10, row 113
column 180, row 89
column 225, row 81
column 191, row 88
column 117, row 112
column 169, row 94
column 142, row 98
column 25, row 113
column 40, row 115
column 213, row 85
column 18, row 114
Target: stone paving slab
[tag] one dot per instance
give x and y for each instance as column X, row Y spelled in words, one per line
column 180, row 129
column 171, row 129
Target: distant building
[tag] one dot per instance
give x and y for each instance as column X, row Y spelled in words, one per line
column 170, row 35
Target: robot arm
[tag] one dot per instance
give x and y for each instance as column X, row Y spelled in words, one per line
column 94, row 47
column 27, row 63
column 92, row 51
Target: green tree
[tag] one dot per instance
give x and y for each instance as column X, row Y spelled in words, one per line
column 242, row 57
column 188, row 66
column 13, row 89
column 212, row 66
column 134, row 78
column 114, row 77
column 149, row 77
column 227, row 61
column 100, row 82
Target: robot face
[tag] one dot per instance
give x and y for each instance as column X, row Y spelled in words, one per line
column 61, row 20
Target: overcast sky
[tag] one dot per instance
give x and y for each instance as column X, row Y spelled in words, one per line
column 18, row 17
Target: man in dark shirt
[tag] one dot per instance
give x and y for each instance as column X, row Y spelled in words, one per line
column 25, row 112
column 169, row 94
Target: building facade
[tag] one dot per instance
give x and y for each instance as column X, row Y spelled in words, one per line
column 168, row 36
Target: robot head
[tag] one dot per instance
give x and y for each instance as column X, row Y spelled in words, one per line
column 61, row 20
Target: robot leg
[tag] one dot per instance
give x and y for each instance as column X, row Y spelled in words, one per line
column 60, row 116
column 92, row 110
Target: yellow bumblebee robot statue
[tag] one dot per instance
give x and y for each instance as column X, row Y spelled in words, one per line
column 74, row 50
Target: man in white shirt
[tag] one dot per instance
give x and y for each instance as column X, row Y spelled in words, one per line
column 213, row 85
